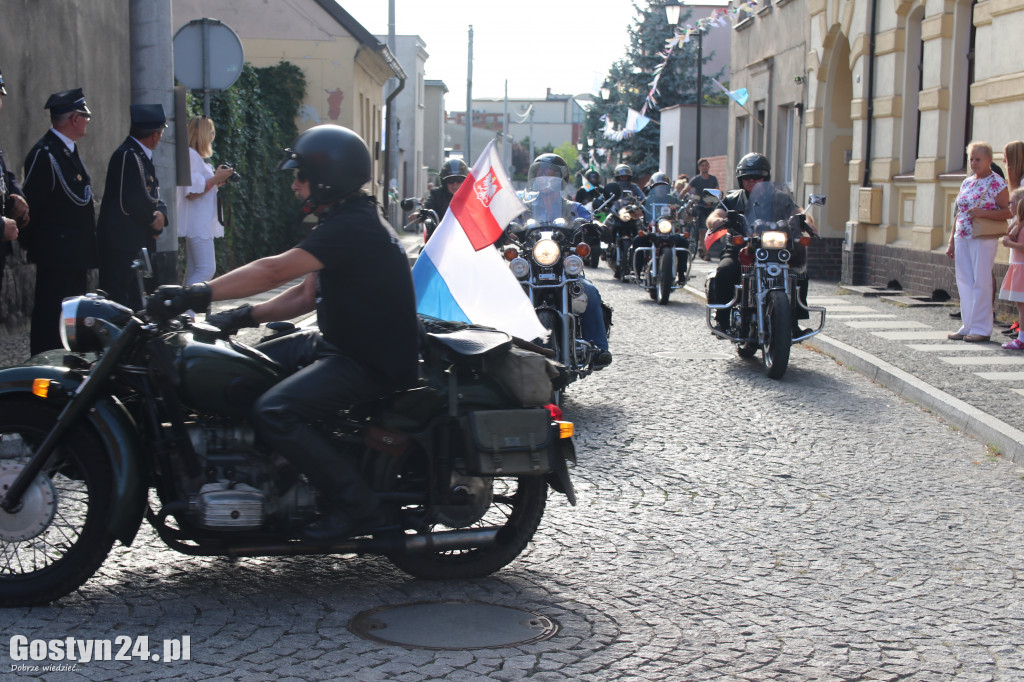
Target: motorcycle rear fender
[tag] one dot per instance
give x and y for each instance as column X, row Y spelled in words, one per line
column 117, row 432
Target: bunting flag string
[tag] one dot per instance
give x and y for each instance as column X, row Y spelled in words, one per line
column 681, row 36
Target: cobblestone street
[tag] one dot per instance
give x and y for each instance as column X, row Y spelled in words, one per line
column 728, row 527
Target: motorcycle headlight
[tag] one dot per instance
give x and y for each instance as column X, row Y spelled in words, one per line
column 519, row 267
column 665, row 226
column 624, row 215
column 573, row 265
column 82, row 318
column 546, row 252
column 774, row 240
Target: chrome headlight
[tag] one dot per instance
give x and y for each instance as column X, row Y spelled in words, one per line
column 665, row 226
column 82, row 318
column 774, row 240
column 573, row 265
column 624, row 215
column 546, row 252
column 519, row 267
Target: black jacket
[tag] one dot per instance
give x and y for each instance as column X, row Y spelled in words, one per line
column 130, row 196
column 58, row 189
column 8, row 186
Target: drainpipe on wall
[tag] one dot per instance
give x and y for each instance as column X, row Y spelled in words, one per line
column 869, row 131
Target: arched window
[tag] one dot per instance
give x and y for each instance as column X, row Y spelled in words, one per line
column 961, row 112
column 913, row 82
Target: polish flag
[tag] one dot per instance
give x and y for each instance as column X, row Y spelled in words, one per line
column 459, row 276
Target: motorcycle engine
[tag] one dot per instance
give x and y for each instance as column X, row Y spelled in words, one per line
column 244, row 489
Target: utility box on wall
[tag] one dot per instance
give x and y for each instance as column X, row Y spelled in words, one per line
column 870, row 205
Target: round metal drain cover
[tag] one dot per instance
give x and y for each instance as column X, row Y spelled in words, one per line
column 452, row 625
column 690, row 355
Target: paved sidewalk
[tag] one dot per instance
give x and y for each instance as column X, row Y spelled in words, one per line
column 901, row 344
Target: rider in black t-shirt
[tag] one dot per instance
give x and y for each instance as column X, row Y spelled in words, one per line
column 356, row 276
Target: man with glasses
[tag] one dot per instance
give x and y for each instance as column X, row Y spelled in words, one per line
column 132, row 214
column 62, row 238
column 624, row 177
column 453, row 173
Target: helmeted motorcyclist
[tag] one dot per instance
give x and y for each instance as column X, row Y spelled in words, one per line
column 356, row 276
column 624, row 176
column 751, row 170
column 453, row 172
column 591, row 192
column 624, row 221
column 547, row 178
column 658, row 195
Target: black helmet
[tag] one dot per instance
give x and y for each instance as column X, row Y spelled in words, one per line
column 623, row 169
column 593, row 177
column 548, row 164
column 753, row 165
column 334, row 158
column 659, row 178
column 453, row 168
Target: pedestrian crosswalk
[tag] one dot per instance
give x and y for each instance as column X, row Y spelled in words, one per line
column 921, row 337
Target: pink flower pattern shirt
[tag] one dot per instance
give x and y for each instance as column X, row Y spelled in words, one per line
column 975, row 193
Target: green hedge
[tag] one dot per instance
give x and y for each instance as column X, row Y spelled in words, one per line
column 255, row 121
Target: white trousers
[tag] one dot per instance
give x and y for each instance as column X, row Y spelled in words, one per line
column 200, row 260
column 974, row 259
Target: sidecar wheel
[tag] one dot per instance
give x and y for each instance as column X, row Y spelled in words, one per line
column 517, row 508
column 58, row 538
column 779, row 334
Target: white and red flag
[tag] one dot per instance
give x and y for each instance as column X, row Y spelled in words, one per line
column 459, row 276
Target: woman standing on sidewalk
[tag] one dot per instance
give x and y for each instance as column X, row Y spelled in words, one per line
column 982, row 195
column 197, row 204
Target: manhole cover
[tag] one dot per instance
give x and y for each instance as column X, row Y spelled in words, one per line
column 452, row 625
column 689, row 355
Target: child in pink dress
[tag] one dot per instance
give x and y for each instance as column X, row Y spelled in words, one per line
column 1013, row 283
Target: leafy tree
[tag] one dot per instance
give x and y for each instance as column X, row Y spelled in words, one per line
column 629, row 82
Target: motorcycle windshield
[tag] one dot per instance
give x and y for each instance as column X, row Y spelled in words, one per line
column 765, row 206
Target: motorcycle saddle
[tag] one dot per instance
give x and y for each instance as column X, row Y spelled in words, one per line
column 473, row 343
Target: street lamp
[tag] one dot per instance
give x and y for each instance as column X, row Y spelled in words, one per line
column 672, row 9
column 606, row 93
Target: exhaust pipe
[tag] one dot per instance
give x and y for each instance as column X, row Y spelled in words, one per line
column 443, row 541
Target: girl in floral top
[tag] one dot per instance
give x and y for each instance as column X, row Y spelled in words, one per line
column 982, row 195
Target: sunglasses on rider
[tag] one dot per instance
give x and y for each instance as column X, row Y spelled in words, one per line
column 300, row 175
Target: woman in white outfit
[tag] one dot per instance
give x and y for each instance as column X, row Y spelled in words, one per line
column 197, row 203
column 982, row 195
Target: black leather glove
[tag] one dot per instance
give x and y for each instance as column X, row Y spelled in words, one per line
column 230, row 321
column 170, row 300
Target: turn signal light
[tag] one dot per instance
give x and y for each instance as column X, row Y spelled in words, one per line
column 641, row 233
column 583, row 250
column 511, row 253
column 805, row 240
column 565, row 429
column 737, row 240
column 41, row 387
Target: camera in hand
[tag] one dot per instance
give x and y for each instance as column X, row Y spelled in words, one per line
column 234, row 177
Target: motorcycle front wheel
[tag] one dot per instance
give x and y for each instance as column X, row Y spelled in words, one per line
column 58, row 537
column 517, row 506
column 778, row 334
column 665, row 276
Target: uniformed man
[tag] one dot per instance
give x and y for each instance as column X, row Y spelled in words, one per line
column 13, row 207
column 132, row 214
column 62, row 239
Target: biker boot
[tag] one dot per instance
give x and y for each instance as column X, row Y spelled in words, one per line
column 348, row 506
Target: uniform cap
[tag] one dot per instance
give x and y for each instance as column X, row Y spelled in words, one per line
column 148, row 116
column 69, row 100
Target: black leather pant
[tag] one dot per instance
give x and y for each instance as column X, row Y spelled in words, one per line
column 323, row 382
